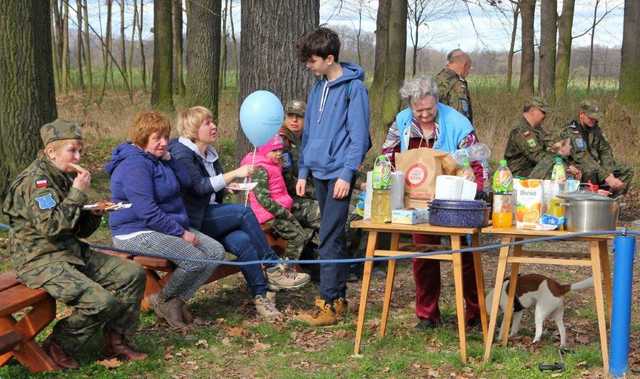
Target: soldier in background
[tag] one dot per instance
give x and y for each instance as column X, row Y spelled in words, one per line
column 528, row 142
column 592, row 153
column 45, row 209
column 453, row 89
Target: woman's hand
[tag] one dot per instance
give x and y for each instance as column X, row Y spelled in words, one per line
column 243, row 171
column 82, row 180
column 574, row 171
column 190, row 237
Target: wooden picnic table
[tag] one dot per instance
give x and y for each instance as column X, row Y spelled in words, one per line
column 455, row 234
column 597, row 258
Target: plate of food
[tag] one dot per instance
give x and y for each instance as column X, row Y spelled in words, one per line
column 242, row 186
column 107, row 206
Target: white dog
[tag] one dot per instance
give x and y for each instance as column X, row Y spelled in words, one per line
column 543, row 292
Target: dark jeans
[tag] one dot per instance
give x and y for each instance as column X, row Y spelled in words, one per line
column 237, row 228
column 334, row 215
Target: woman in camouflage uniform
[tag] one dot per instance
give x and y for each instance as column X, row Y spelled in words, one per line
column 45, row 209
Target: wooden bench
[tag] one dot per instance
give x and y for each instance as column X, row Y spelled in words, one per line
column 158, row 270
column 17, row 337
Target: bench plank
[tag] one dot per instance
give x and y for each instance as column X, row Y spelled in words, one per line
column 15, row 298
column 8, row 280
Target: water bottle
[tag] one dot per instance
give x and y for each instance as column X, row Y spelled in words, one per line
column 503, row 179
column 558, row 172
column 467, row 171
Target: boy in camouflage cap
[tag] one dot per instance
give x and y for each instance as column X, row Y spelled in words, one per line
column 44, row 205
column 592, row 153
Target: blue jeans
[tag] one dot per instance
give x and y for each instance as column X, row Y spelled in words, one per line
column 333, row 245
column 237, row 228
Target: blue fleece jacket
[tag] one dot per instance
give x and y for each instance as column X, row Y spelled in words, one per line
column 152, row 188
column 336, row 133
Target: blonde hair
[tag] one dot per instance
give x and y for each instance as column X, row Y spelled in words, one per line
column 55, row 146
column 145, row 124
column 190, row 120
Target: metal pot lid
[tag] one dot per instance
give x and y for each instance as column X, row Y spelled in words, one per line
column 585, row 195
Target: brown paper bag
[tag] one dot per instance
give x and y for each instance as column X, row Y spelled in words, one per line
column 420, row 167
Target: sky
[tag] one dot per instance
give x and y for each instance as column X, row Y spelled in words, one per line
column 451, row 28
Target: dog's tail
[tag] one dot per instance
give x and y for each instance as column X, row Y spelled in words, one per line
column 587, row 283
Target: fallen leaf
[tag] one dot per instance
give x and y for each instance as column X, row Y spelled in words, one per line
column 202, row 344
column 110, row 363
column 259, row 346
column 237, row 331
column 225, row 341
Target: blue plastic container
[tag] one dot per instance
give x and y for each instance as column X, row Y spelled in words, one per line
column 459, row 213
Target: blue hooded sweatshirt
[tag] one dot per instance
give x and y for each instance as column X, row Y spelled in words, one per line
column 336, row 126
column 152, row 188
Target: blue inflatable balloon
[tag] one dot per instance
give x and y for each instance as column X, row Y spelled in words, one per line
column 261, row 116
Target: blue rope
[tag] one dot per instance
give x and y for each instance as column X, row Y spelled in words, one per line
column 412, row 255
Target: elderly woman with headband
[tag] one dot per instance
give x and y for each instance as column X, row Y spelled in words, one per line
column 429, row 123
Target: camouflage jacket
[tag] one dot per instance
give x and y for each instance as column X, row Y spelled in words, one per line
column 526, row 147
column 46, row 218
column 290, row 162
column 261, row 192
column 453, row 91
column 590, row 149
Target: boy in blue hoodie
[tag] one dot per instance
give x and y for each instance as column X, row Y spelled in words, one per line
column 334, row 143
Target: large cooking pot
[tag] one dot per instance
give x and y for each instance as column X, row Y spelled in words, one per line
column 586, row 212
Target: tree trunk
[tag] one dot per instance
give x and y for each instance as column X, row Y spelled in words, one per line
column 270, row 61
column 563, row 61
column 203, row 50
column 123, row 49
column 109, row 44
column 87, row 47
column 512, row 45
column 389, row 71
column 177, row 45
column 161, row 83
column 416, row 39
column 223, row 46
column 132, row 42
column 548, row 30
column 358, row 37
column 143, row 59
column 66, row 70
column 630, row 64
column 236, row 55
column 27, row 91
column 527, row 8
column 593, row 32
column 79, row 49
column 58, row 41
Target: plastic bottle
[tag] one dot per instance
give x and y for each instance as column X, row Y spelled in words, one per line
column 558, row 172
column 467, row 171
column 502, row 216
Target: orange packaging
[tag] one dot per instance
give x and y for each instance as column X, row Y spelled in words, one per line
column 528, row 203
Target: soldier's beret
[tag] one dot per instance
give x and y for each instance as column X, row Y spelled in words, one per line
column 591, row 109
column 537, row 102
column 59, row 130
column 296, row 107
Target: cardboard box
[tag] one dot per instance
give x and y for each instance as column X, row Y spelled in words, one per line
column 410, row 216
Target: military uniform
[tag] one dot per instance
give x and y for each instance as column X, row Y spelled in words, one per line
column 284, row 224
column 453, row 91
column 526, row 147
column 593, row 155
column 46, row 218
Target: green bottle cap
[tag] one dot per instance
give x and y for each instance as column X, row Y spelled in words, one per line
column 503, row 163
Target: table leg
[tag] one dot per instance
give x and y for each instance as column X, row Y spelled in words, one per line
column 502, row 267
column 388, row 288
column 459, row 295
column 366, row 281
column 28, row 352
column 596, row 269
column 606, row 274
column 477, row 266
column 513, row 282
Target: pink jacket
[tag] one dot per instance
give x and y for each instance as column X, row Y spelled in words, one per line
column 277, row 185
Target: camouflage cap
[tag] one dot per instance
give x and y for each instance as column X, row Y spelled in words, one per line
column 59, row 130
column 591, row 109
column 537, row 102
column 296, row 107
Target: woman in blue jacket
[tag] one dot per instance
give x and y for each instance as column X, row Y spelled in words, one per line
column 157, row 222
column 203, row 183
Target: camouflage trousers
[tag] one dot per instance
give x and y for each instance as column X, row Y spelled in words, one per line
column 300, row 229
column 104, row 293
column 624, row 173
column 307, row 211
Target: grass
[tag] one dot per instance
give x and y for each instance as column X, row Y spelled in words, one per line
column 235, row 344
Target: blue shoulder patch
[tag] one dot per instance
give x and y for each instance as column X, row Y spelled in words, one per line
column 46, row 201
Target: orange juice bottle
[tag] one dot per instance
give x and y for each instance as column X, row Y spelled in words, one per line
column 502, row 216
